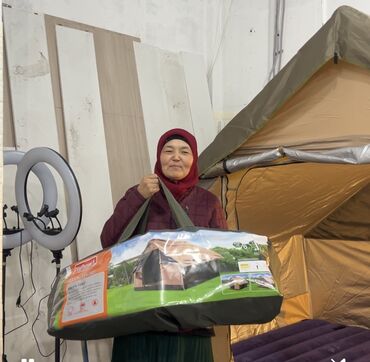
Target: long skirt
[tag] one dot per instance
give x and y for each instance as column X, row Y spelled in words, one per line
column 157, row 347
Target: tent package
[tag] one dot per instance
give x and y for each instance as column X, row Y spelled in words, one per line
column 294, row 165
column 165, row 281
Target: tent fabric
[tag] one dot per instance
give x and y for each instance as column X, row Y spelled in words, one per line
column 338, row 276
column 289, row 272
column 309, row 340
column 293, row 310
column 348, row 221
column 330, row 277
column 341, row 90
column 346, row 36
column 284, row 155
column 239, row 332
column 285, row 200
column 350, row 155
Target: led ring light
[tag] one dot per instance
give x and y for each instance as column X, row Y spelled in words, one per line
column 67, row 235
column 49, row 189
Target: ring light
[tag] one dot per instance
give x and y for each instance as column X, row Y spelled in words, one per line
column 67, row 235
column 49, row 189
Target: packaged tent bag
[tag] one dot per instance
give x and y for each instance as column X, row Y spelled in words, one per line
column 165, row 281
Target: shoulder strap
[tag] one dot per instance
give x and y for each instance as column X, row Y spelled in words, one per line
column 181, row 218
column 134, row 222
column 140, row 219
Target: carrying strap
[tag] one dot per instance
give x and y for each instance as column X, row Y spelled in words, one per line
column 140, row 219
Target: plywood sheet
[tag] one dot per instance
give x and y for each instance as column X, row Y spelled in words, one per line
column 85, row 132
column 123, row 117
column 8, row 128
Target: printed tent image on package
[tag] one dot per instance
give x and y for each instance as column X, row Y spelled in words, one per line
column 174, row 265
column 294, row 165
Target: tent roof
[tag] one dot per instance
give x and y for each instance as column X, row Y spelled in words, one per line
column 346, row 36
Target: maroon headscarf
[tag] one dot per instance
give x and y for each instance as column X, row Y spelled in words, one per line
column 182, row 187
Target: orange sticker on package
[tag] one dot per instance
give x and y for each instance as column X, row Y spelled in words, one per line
column 85, row 290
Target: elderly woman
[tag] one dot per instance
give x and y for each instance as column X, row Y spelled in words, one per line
column 176, row 166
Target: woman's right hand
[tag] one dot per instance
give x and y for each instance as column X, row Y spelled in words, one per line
column 148, row 186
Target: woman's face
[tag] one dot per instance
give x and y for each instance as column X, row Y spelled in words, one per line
column 176, row 159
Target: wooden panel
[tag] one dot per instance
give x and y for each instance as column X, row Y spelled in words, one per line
column 163, row 93
column 8, row 127
column 118, row 77
column 85, row 132
column 221, row 344
column 120, row 98
column 126, row 160
column 205, row 127
column 123, row 118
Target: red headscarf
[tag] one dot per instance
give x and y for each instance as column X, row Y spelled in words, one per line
column 182, row 187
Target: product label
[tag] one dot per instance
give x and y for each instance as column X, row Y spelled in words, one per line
column 85, row 290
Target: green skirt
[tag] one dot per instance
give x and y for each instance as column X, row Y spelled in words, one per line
column 156, row 347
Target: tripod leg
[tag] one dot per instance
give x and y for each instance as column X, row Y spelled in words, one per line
column 85, row 353
column 57, row 258
column 57, row 349
column 6, row 253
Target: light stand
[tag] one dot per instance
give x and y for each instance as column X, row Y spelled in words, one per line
column 6, row 253
column 58, row 255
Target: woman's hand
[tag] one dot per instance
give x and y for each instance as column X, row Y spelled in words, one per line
column 148, row 186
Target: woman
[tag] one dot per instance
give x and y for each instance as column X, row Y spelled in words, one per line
column 176, row 166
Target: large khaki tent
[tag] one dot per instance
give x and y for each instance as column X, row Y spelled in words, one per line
column 295, row 165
